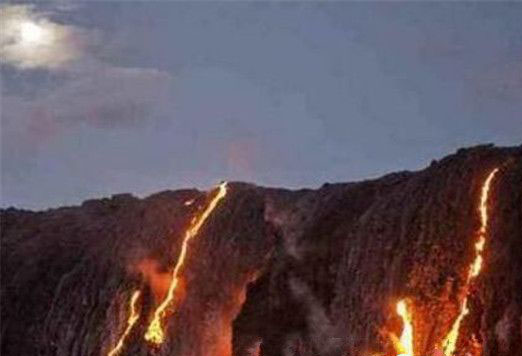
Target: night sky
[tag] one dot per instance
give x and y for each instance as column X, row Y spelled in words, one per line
column 101, row 98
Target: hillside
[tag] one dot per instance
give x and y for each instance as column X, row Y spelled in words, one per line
column 274, row 271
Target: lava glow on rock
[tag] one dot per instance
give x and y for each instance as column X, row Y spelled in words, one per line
column 133, row 318
column 405, row 344
column 155, row 333
column 450, row 341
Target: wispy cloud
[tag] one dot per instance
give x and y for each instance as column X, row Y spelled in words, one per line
column 104, row 97
column 90, row 91
column 80, row 90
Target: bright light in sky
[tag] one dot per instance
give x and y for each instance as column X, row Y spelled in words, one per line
column 31, row 39
column 31, row 33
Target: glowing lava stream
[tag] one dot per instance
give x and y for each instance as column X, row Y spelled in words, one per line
column 133, row 318
column 155, row 333
column 404, row 345
column 450, row 341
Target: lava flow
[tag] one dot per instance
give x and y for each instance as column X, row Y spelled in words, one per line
column 155, row 333
column 404, row 344
column 450, row 341
column 133, row 318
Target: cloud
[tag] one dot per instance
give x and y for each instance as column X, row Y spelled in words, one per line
column 104, row 97
column 69, row 87
column 84, row 89
column 108, row 97
column 31, row 40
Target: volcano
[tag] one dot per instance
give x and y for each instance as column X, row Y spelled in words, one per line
column 412, row 263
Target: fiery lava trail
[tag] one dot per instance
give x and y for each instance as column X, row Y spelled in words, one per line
column 450, row 341
column 155, row 333
column 405, row 344
column 133, row 318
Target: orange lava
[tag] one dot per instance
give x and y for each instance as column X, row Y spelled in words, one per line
column 404, row 344
column 133, row 318
column 155, row 333
column 450, row 341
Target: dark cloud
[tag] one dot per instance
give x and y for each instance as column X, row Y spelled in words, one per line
column 105, row 96
column 108, row 97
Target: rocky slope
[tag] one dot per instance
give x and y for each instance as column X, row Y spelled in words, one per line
column 274, row 271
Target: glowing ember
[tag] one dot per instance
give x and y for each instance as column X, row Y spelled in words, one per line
column 133, row 318
column 155, row 333
column 450, row 341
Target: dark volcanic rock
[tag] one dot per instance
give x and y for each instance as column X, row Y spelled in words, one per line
column 273, row 271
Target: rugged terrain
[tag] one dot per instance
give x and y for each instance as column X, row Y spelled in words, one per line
column 274, row 271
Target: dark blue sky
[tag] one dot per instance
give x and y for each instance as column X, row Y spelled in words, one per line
column 138, row 97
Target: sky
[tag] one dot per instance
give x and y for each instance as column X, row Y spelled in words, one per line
column 100, row 98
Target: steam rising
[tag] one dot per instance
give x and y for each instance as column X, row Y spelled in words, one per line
column 158, row 281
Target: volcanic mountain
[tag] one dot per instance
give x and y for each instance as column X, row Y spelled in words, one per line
column 408, row 263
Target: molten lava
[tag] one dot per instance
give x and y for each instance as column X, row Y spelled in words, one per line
column 133, row 318
column 155, row 333
column 450, row 341
column 404, row 344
